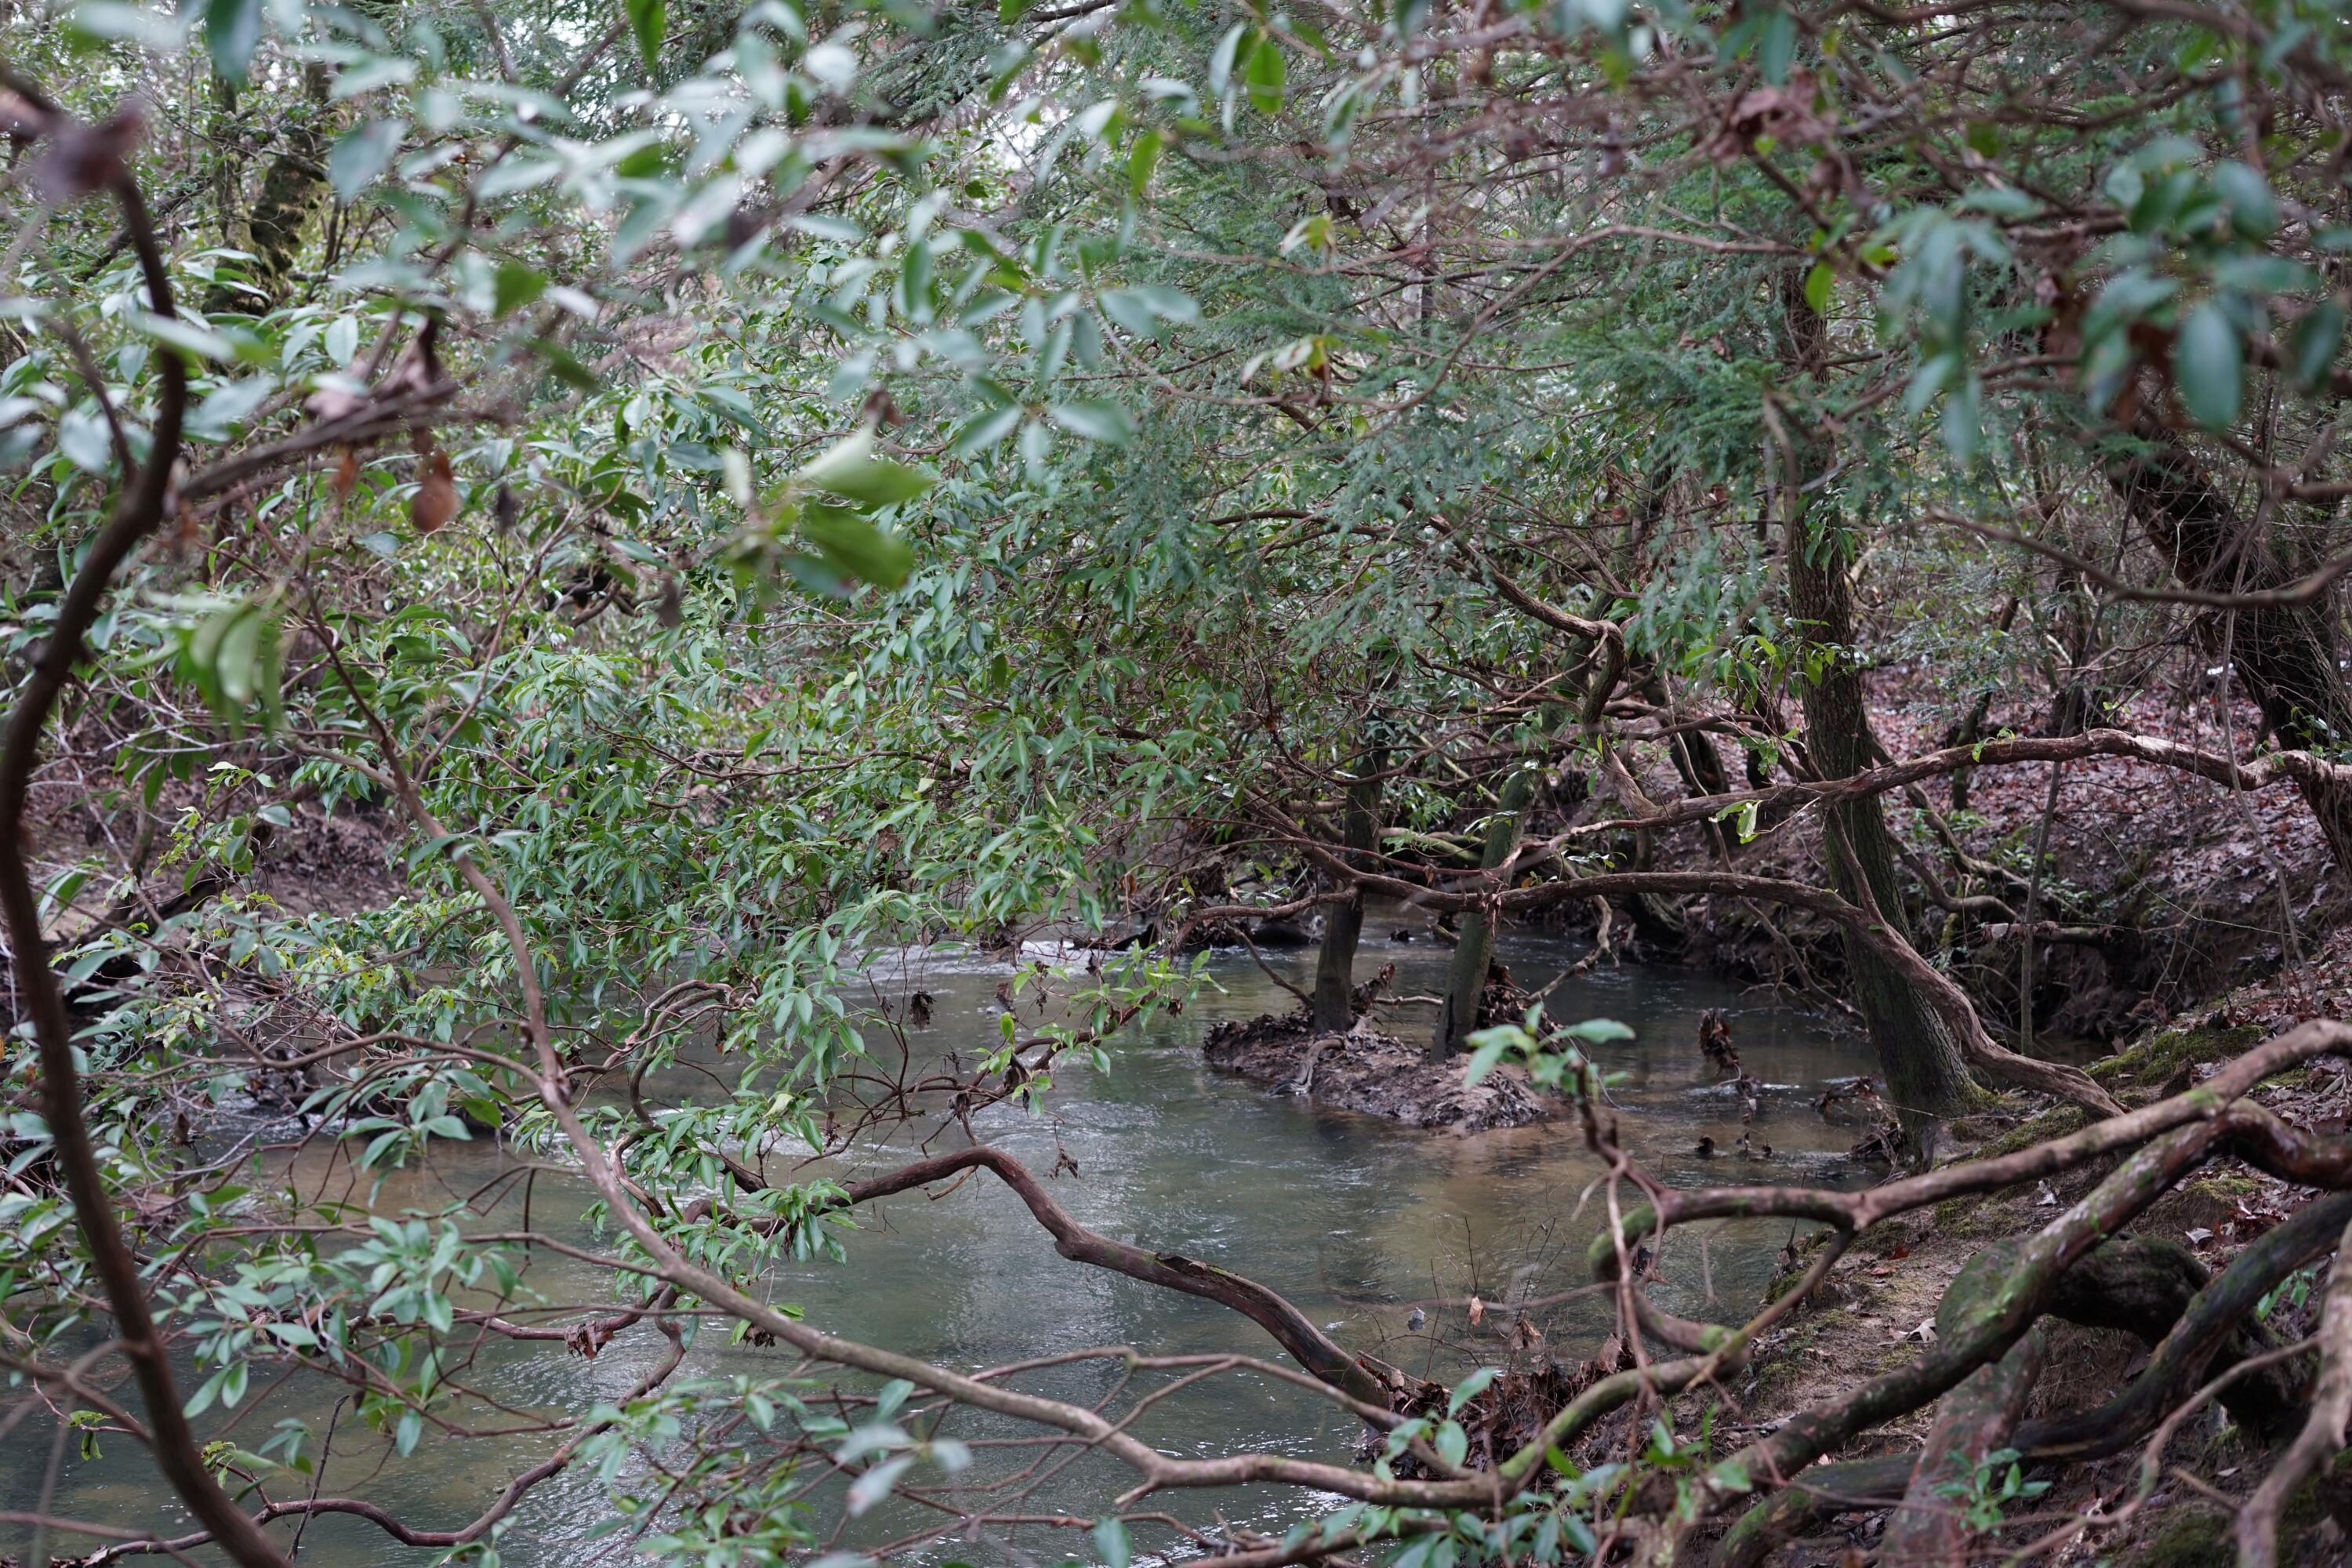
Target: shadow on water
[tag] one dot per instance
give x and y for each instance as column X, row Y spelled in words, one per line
column 1362, row 1223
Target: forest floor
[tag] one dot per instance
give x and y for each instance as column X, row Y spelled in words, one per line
column 319, row 862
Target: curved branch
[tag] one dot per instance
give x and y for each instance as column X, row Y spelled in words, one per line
column 2289, row 766
column 146, row 497
column 2069, row 1083
column 1985, row 1312
column 2204, row 1331
column 1088, row 1426
column 2208, row 1103
column 1973, row 1420
column 1368, row 1383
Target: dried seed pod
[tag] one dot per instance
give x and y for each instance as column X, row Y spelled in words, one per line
column 418, row 368
column 435, row 501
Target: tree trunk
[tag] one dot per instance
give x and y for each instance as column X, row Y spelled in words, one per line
column 2285, row 654
column 1918, row 1055
column 1335, row 961
column 1694, row 759
column 293, row 188
column 1457, row 1016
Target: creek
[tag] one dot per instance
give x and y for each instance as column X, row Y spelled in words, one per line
column 1357, row 1221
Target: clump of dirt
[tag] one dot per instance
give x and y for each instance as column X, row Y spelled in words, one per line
column 1367, row 1071
column 1507, row 1415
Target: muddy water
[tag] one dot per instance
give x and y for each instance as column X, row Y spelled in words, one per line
column 1357, row 1221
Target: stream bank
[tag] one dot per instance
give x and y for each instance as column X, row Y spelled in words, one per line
column 1875, row 1311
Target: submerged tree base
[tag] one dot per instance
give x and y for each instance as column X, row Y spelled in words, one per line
column 1377, row 1074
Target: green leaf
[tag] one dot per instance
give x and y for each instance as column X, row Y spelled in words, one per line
column 83, row 438
column 1777, row 49
column 1141, row 159
column 2253, row 210
column 1732, row 1477
column 1093, row 420
column 565, row 365
column 1265, row 76
column 1168, row 304
column 983, row 431
column 1222, row 58
column 232, row 32
column 230, row 406
column 2209, row 365
column 1127, row 311
column 1963, row 419
column 874, row 1484
column 649, row 20
column 367, row 75
column 360, row 155
column 206, row 342
column 109, row 21
column 1111, row 1541
column 851, row 470
column 513, row 174
column 515, row 286
column 2316, row 338
column 914, row 281
column 2000, row 201
column 1470, row 1388
column 856, row 547
column 1452, row 1443
column 1928, row 380
column 1818, row 284
column 202, row 1399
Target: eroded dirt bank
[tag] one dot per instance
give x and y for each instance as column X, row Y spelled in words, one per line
column 1375, row 1073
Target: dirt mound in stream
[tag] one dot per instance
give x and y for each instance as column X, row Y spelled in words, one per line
column 1377, row 1074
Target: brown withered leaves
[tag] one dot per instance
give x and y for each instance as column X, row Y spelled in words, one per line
column 1784, row 113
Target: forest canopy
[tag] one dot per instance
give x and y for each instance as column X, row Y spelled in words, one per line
column 555, row 554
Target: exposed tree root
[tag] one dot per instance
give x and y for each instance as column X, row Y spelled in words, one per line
column 1983, row 1356
column 2322, row 1437
column 1973, row 1422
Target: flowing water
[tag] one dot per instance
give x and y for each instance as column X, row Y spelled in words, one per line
column 1360, row 1223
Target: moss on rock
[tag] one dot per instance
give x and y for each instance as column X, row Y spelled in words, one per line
column 2159, row 1056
